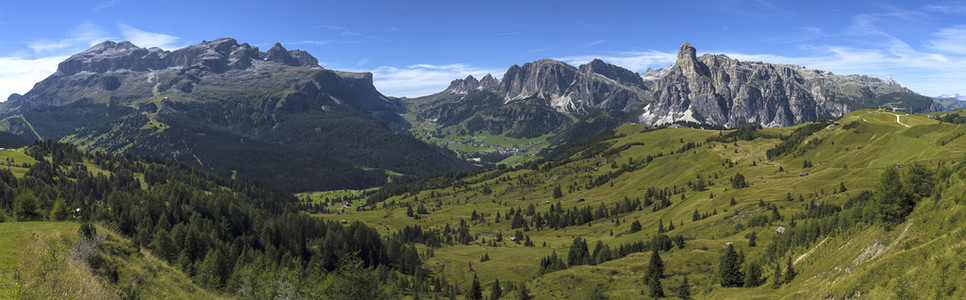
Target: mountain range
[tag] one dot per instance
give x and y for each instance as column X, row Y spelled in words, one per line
column 277, row 115
column 711, row 89
column 229, row 108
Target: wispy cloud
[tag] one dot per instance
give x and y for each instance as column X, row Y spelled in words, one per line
column 534, row 50
column 84, row 35
column 346, row 32
column 633, row 60
column 508, row 33
column 105, row 4
column 593, row 43
column 423, row 79
column 19, row 74
column 146, row 39
column 951, row 40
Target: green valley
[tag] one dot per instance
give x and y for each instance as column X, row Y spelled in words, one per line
column 816, row 203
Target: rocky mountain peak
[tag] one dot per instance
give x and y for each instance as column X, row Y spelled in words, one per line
column 489, row 83
column 716, row 89
column 688, row 63
column 278, row 54
column 463, row 86
column 216, row 56
column 612, row 72
column 655, row 74
column 687, row 52
column 295, row 58
column 890, row 82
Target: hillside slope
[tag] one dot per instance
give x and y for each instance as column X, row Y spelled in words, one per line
column 818, row 181
column 49, row 260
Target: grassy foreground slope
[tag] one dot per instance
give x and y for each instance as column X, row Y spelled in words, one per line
column 820, row 185
column 47, row 260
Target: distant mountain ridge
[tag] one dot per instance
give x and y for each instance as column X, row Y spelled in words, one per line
column 952, row 96
column 228, row 107
column 711, row 89
column 715, row 89
column 569, row 89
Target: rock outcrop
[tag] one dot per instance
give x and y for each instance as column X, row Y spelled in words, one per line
column 567, row 88
column 718, row 90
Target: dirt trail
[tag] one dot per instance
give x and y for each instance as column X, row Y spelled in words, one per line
column 900, row 122
column 800, row 257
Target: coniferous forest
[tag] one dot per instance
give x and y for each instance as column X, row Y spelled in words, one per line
column 235, row 237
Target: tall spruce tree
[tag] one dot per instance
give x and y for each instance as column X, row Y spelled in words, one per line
column 655, row 269
column 752, row 275
column 789, row 271
column 684, row 289
column 730, row 268
column 475, row 292
column 496, row 292
column 656, row 289
column 776, row 278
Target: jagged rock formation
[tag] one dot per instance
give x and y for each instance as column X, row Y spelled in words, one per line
column 715, row 89
column 276, row 116
column 653, row 75
column 711, row 89
column 567, row 89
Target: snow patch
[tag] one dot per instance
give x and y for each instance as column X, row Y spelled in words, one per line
column 649, row 117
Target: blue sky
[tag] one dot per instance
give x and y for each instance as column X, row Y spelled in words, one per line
column 416, row 47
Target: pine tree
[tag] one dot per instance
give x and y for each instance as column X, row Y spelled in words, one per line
column 496, row 292
column 730, row 268
column 655, row 268
column 738, row 181
column 752, row 239
column 776, row 278
column 523, row 293
column 660, row 226
column 636, row 226
column 557, row 193
column 25, row 207
column 789, row 271
column 476, row 292
column 60, row 212
column 657, row 290
column 752, row 275
column 684, row 289
column 579, row 253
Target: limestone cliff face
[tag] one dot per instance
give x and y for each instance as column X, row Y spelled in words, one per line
column 567, row 88
column 715, row 89
column 222, row 69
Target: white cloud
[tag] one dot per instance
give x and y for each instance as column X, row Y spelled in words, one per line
column 18, row 75
column 635, row 60
column 84, row 35
column 105, row 4
column 952, row 40
column 423, row 79
column 146, row 39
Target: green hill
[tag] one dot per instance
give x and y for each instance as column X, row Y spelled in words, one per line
column 166, row 230
column 44, row 260
column 821, row 182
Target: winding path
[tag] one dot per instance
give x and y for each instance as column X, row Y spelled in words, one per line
column 900, row 122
